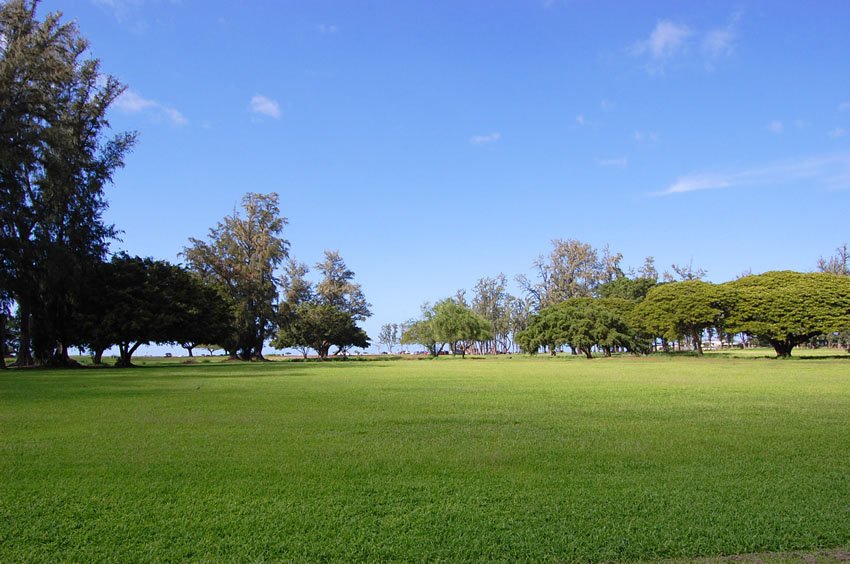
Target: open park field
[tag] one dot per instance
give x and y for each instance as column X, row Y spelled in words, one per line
column 478, row 459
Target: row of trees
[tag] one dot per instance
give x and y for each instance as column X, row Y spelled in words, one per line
column 584, row 301
column 58, row 286
column 782, row 309
column 572, row 269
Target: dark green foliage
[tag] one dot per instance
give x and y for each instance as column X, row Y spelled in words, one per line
column 319, row 327
column 323, row 316
column 240, row 258
column 55, row 162
column 788, row 308
column 134, row 301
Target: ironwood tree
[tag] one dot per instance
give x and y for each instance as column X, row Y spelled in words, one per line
column 323, row 315
column 56, row 158
column 240, row 257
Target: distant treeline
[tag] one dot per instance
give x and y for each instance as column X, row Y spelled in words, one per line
column 581, row 300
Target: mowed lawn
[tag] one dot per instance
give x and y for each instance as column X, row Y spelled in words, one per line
column 530, row 459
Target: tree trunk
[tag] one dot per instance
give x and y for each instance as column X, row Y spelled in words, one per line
column 189, row 349
column 61, row 357
column 323, row 350
column 125, row 359
column 97, row 356
column 587, row 352
column 24, row 356
column 782, row 348
column 698, row 342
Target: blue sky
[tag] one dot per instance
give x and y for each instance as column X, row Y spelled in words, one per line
column 434, row 143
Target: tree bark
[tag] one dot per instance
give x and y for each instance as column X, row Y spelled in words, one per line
column 125, row 359
column 24, row 356
column 782, row 347
column 698, row 342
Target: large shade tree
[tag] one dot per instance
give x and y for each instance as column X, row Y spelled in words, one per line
column 55, row 161
column 319, row 327
column 683, row 309
column 323, row 315
column 133, row 301
column 240, row 257
column 788, row 308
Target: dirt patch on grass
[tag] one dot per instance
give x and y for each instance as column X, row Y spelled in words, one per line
column 825, row 556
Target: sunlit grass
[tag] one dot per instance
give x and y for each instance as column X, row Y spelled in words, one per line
column 560, row 459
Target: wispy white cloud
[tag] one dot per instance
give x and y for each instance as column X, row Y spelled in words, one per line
column 801, row 123
column 620, row 162
column 720, row 42
column 838, row 132
column 673, row 42
column 176, row 117
column 327, row 28
column 666, row 40
column 645, row 137
column 829, row 171
column 265, row 106
column 132, row 102
column 121, row 8
column 485, row 139
column 580, row 120
column 776, row 127
column 844, row 106
column 606, row 105
column 133, row 14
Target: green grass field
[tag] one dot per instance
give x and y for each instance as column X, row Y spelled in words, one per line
column 496, row 459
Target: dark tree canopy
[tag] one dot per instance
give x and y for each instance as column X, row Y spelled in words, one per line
column 319, row 327
column 134, row 301
column 55, row 161
column 626, row 288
